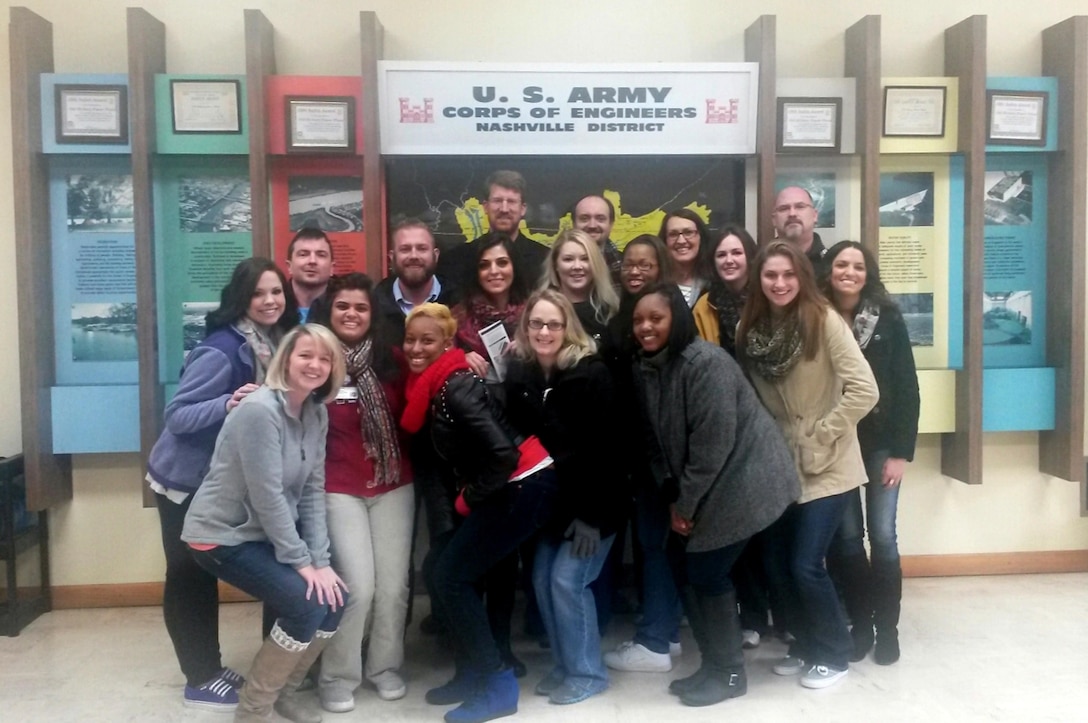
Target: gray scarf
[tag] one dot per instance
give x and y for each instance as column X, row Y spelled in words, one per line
column 773, row 349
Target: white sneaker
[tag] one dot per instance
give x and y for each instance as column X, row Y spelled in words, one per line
column 750, row 639
column 390, row 685
column 675, row 650
column 822, row 676
column 335, row 699
column 636, row 658
column 789, row 665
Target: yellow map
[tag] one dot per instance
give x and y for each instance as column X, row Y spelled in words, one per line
column 473, row 222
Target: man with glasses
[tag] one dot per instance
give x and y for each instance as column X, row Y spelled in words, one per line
column 794, row 218
column 595, row 215
column 505, row 207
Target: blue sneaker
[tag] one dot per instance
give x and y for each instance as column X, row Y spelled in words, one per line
column 496, row 696
column 217, row 694
column 234, row 678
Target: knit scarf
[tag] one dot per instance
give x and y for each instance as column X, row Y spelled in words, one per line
column 865, row 323
column 262, row 341
column 375, row 416
column 421, row 388
column 479, row 313
column 729, row 306
column 772, row 349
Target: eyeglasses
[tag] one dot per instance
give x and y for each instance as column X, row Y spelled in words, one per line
column 643, row 266
column 688, row 234
column 538, row 324
column 798, row 207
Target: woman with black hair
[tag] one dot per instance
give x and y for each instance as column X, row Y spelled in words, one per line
column 873, row 588
column 687, row 238
column 494, row 294
column 722, row 463
column 369, row 498
column 256, row 309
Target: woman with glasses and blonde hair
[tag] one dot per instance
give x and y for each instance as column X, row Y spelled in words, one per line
column 576, row 268
column 559, row 389
column 258, row 519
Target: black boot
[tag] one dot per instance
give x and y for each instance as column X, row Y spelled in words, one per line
column 690, row 602
column 722, row 653
column 855, row 579
column 887, row 597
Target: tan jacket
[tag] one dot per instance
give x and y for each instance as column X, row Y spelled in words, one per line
column 818, row 406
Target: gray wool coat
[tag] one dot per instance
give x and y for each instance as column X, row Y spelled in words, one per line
column 713, row 438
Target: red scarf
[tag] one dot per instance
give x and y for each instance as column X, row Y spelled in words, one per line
column 421, row 388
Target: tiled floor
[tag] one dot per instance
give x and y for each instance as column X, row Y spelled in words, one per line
column 974, row 649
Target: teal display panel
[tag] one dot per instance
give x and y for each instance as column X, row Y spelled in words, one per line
column 204, row 101
column 1046, row 86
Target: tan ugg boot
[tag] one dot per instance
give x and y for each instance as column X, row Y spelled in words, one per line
column 290, row 704
column 274, row 664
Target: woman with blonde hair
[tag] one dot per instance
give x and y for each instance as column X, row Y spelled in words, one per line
column 258, row 520
column 559, row 389
column 576, row 268
column 812, row 377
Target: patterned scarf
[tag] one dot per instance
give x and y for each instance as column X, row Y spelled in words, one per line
column 865, row 320
column 262, row 341
column 773, row 349
column 729, row 306
column 421, row 388
column 479, row 313
column 375, row 416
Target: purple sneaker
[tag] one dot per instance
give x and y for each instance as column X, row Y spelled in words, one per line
column 217, row 694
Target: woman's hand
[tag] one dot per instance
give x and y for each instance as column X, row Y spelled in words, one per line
column 241, row 393
column 326, row 583
column 478, row 364
column 893, row 471
column 680, row 525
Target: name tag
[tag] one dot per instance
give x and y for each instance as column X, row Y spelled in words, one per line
column 347, row 394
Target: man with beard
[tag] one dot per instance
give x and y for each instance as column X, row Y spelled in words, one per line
column 794, row 217
column 505, row 207
column 309, row 264
column 595, row 215
column 414, row 257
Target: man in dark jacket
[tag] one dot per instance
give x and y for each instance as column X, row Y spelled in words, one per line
column 414, row 257
column 794, row 218
column 596, row 215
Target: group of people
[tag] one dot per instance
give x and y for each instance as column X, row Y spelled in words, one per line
column 723, row 396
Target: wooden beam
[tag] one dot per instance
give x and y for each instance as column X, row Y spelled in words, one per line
column 48, row 476
column 146, row 57
column 862, row 46
column 260, row 63
column 759, row 47
column 965, row 58
column 1065, row 56
column 371, row 37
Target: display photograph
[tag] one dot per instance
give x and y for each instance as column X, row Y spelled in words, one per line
column 906, row 199
column 104, row 332
column 193, row 314
column 99, row 203
column 214, row 204
column 330, row 203
column 1006, row 318
column 917, row 310
column 1008, row 199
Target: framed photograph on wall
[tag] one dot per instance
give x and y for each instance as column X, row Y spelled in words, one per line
column 1016, row 117
column 206, row 106
column 320, row 124
column 809, row 125
column 914, row 111
column 91, row 114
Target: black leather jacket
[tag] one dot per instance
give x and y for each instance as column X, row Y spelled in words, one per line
column 473, row 448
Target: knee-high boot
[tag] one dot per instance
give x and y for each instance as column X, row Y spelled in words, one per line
column 887, row 599
column 289, row 704
column 722, row 652
column 690, row 603
column 856, row 580
column 275, row 661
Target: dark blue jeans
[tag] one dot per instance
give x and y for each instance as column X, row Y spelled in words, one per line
column 661, row 612
column 880, row 509
column 488, row 536
column 252, row 567
column 796, row 547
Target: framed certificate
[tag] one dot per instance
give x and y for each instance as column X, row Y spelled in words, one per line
column 92, row 114
column 913, row 111
column 1016, row 117
column 206, row 106
column 809, row 125
column 320, row 124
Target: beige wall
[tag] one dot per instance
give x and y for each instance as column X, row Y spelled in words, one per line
column 104, row 535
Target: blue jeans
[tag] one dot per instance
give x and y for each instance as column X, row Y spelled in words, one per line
column 492, row 531
column 569, row 611
column 661, row 611
column 252, row 567
column 880, row 508
column 796, row 547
